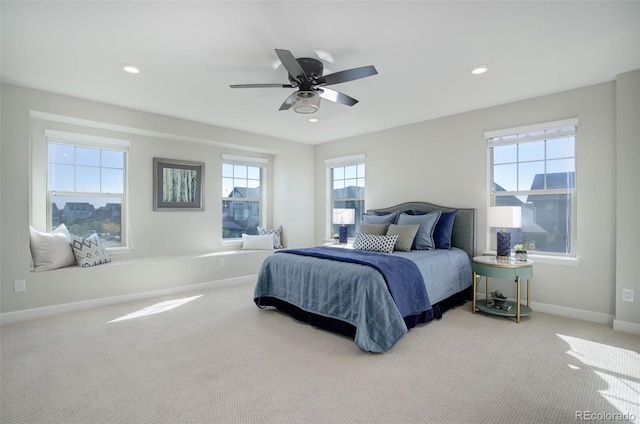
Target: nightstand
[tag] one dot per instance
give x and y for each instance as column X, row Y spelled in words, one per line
column 489, row 266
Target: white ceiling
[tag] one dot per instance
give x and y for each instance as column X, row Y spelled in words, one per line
column 190, row 52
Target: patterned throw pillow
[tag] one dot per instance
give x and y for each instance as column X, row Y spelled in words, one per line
column 379, row 229
column 406, row 234
column 375, row 243
column 277, row 235
column 89, row 251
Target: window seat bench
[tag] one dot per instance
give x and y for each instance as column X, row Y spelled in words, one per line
column 74, row 288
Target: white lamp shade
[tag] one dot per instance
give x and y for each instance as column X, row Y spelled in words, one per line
column 344, row 216
column 504, row 217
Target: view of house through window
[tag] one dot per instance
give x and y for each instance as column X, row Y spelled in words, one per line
column 86, row 188
column 347, row 192
column 535, row 168
column 242, row 188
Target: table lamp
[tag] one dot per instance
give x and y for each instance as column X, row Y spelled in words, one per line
column 344, row 217
column 504, row 217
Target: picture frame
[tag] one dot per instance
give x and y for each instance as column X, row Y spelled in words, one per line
column 178, row 185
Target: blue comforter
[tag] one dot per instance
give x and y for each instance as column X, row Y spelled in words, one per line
column 349, row 292
column 402, row 276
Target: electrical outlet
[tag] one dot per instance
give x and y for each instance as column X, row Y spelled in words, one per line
column 222, row 263
column 627, row 295
column 19, row 286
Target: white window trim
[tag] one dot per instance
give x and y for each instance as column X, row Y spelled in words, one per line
column 98, row 142
column 493, row 138
column 357, row 159
column 248, row 161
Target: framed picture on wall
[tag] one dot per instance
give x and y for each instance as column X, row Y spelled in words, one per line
column 177, row 185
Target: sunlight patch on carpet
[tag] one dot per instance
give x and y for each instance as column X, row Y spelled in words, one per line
column 157, row 308
column 619, row 368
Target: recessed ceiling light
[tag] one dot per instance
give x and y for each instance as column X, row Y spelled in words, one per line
column 313, row 119
column 130, row 69
column 479, row 69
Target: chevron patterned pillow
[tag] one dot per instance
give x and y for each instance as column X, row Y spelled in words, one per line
column 277, row 235
column 89, row 251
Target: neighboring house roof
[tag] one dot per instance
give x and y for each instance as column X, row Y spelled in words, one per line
column 556, row 180
column 245, row 192
column 350, row 192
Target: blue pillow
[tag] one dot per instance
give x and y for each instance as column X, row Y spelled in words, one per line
column 424, row 238
column 444, row 227
column 375, row 218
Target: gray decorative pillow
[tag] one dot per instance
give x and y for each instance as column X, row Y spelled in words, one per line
column 389, row 218
column 424, row 237
column 379, row 229
column 51, row 250
column 375, row 243
column 277, row 235
column 406, row 234
column 89, row 251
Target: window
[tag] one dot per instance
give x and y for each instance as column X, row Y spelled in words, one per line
column 346, row 184
column 86, row 185
column 535, row 167
column 242, row 195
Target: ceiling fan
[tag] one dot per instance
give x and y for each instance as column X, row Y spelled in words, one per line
column 305, row 73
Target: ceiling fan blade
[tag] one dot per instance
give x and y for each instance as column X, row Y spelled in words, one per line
column 291, row 65
column 336, row 96
column 348, row 75
column 287, row 103
column 260, row 85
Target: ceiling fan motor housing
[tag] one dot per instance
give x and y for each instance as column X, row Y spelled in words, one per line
column 313, row 68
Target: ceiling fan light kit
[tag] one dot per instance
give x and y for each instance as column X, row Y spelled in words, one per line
column 306, row 102
column 306, row 74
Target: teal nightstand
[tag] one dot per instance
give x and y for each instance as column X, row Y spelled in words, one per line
column 489, row 266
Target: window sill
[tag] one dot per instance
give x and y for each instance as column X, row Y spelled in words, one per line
column 232, row 242
column 118, row 250
column 545, row 259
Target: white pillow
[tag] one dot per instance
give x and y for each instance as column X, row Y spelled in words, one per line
column 264, row 242
column 51, row 250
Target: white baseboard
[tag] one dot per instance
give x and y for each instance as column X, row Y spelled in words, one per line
column 48, row 311
column 626, row 327
column 581, row 314
column 564, row 311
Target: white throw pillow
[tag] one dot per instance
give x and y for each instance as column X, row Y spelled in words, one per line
column 51, row 250
column 264, row 242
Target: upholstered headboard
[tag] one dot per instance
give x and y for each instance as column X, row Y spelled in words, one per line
column 464, row 226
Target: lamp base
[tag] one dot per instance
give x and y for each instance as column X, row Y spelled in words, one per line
column 504, row 244
column 344, row 233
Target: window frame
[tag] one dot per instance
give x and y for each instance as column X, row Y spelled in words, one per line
column 92, row 142
column 330, row 165
column 529, row 134
column 258, row 162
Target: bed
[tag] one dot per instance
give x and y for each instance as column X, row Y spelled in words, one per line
column 373, row 297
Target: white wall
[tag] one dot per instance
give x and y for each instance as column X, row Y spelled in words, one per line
column 444, row 161
column 628, row 199
column 183, row 236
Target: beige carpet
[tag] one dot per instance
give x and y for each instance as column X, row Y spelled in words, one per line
column 219, row 359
